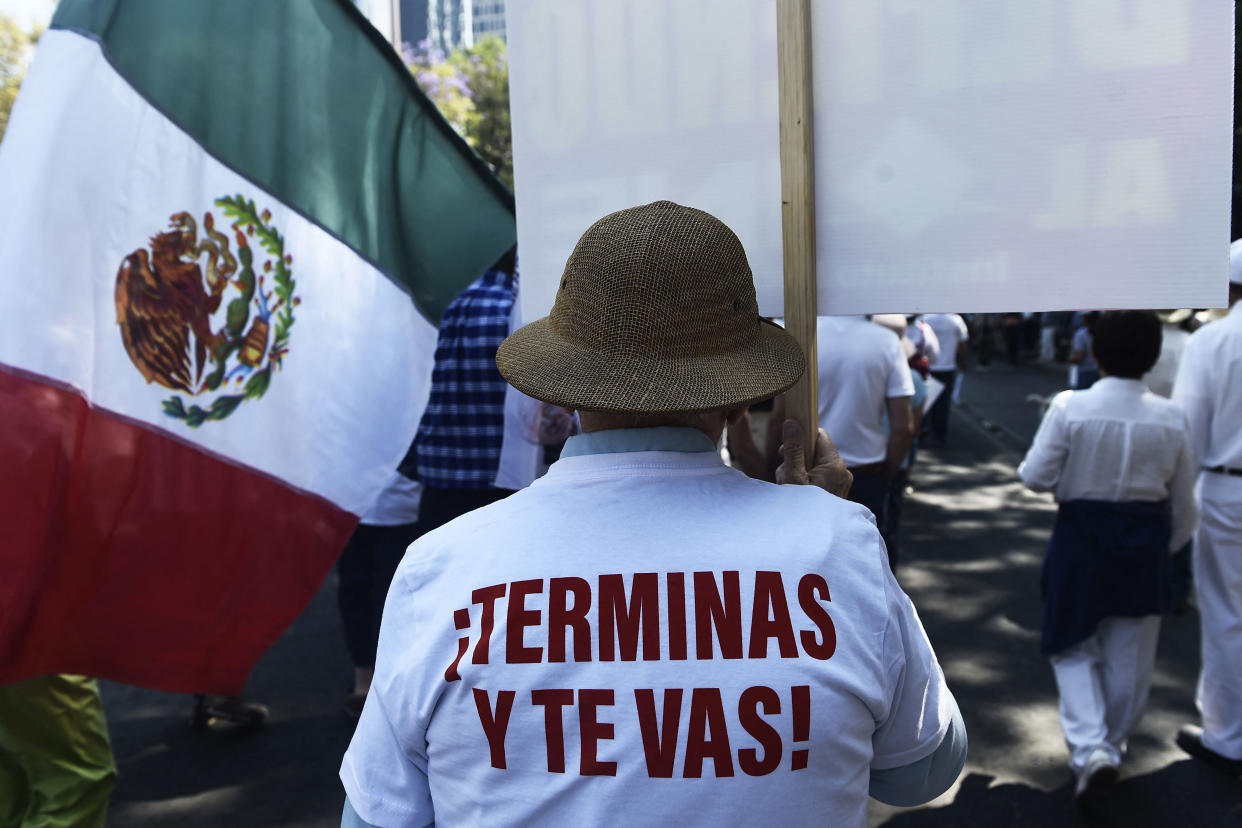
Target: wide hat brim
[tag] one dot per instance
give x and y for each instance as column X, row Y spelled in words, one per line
column 551, row 368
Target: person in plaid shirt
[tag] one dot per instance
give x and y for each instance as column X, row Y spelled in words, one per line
column 457, row 451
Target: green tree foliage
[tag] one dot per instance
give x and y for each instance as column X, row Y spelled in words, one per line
column 14, row 53
column 471, row 88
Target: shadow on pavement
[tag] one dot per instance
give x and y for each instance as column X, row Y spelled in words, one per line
column 1153, row 799
column 283, row 774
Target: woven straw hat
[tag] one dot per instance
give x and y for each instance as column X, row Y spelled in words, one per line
column 655, row 314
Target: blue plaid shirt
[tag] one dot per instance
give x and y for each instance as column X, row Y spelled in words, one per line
column 458, row 445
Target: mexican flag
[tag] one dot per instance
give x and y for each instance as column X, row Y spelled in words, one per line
column 227, row 232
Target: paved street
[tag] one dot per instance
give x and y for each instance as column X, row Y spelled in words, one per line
column 973, row 542
column 974, row 545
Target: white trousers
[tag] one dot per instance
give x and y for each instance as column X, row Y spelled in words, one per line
column 1218, row 588
column 1103, row 683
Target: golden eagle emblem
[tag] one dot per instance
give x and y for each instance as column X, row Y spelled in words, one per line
column 196, row 317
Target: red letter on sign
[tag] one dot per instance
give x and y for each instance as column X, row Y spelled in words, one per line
column 461, row 620
column 676, row 615
column 770, row 617
column 487, row 597
column 807, row 587
column 553, row 701
column 642, row 616
column 707, row 713
column 748, row 712
column 591, row 731
column 659, row 743
column 561, row 618
column 495, row 726
column 712, row 613
column 516, row 652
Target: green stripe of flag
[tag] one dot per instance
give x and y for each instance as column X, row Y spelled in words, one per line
column 304, row 98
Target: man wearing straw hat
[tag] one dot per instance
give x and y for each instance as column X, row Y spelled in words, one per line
column 645, row 635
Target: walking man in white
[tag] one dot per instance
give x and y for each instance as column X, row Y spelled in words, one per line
column 1209, row 388
column 952, row 337
column 864, row 379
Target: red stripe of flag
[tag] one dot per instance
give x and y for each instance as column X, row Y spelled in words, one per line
column 129, row 555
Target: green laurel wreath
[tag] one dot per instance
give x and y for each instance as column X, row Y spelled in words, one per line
column 245, row 215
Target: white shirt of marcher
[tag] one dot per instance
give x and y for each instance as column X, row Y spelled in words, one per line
column 861, row 366
column 686, row 525
column 1209, row 388
column 397, row 504
column 950, row 330
column 1209, row 385
column 921, row 334
column 1116, row 441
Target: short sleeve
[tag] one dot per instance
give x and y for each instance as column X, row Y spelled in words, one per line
column 899, row 382
column 384, row 771
column 962, row 330
column 921, row 708
column 1080, row 340
column 384, row 785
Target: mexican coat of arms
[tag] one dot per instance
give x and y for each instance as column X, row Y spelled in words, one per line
column 199, row 315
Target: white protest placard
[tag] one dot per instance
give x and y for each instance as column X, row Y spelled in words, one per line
column 970, row 155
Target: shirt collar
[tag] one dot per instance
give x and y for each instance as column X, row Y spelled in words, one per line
column 1121, row 382
column 620, row 440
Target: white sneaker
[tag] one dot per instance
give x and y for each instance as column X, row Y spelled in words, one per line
column 1096, row 778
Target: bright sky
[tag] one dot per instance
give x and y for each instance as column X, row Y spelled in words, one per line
column 28, row 12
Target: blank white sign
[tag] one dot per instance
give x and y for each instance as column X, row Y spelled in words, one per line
column 971, row 155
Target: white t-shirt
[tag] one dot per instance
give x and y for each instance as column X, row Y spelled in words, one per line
column 861, row 365
column 950, row 330
column 1209, row 388
column 397, row 504
column 926, row 343
column 725, row 685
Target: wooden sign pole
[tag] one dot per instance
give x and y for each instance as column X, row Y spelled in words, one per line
column 793, row 38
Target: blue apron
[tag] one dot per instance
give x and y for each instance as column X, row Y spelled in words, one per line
column 1105, row 559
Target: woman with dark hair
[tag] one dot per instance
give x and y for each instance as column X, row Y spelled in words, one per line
column 1120, row 463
